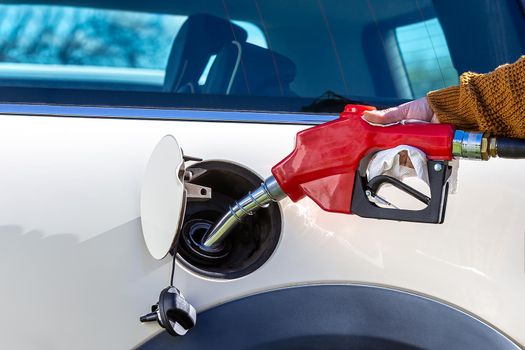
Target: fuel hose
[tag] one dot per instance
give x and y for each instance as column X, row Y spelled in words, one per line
column 510, row 148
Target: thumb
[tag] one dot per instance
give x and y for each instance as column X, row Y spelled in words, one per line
column 385, row 116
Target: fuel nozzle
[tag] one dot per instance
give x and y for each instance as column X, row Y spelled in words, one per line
column 268, row 192
column 465, row 144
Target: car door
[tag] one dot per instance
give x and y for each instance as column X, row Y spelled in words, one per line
column 89, row 89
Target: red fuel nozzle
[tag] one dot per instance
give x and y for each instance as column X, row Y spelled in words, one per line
column 326, row 157
column 325, row 161
column 328, row 164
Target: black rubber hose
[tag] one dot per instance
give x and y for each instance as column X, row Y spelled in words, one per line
column 510, row 148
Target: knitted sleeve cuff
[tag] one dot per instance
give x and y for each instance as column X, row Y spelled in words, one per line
column 445, row 104
column 488, row 102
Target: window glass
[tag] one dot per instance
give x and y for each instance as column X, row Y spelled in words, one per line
column 67, row 43
column 255, row 36
column 295, row 55
column 426, row 57
column 58, row 43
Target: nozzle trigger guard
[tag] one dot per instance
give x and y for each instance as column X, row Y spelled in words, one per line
column 375, row 184
column 438, row 174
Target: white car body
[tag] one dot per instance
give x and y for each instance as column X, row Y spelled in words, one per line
column 76, row 274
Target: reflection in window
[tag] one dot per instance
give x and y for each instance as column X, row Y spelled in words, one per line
column 425, row 57
column 85, row 37
column 84, row 44
column 255, row 36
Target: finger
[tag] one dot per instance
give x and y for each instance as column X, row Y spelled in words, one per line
column 386, row 116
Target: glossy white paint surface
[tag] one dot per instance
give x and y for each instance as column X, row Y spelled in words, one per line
column 162, row 199
column 75, row 271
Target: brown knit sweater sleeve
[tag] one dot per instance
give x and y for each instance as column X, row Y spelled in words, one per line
column 492, row 102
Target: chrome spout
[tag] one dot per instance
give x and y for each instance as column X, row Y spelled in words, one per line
column 268, row 192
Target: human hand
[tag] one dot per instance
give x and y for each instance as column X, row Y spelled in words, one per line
column 418, row 109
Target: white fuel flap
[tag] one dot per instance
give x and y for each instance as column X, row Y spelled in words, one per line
column 163, row 197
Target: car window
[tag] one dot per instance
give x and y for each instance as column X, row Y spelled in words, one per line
column 427, row 64
column 72, row 44
column 294, row 56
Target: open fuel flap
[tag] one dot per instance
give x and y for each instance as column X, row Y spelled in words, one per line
column 179, row 203
column 164, row 195
column 162, row 205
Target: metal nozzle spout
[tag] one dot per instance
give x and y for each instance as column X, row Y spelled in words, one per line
column 268, row 192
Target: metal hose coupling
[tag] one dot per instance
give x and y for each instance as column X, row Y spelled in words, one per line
column 473, row 145
column 268, row 192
